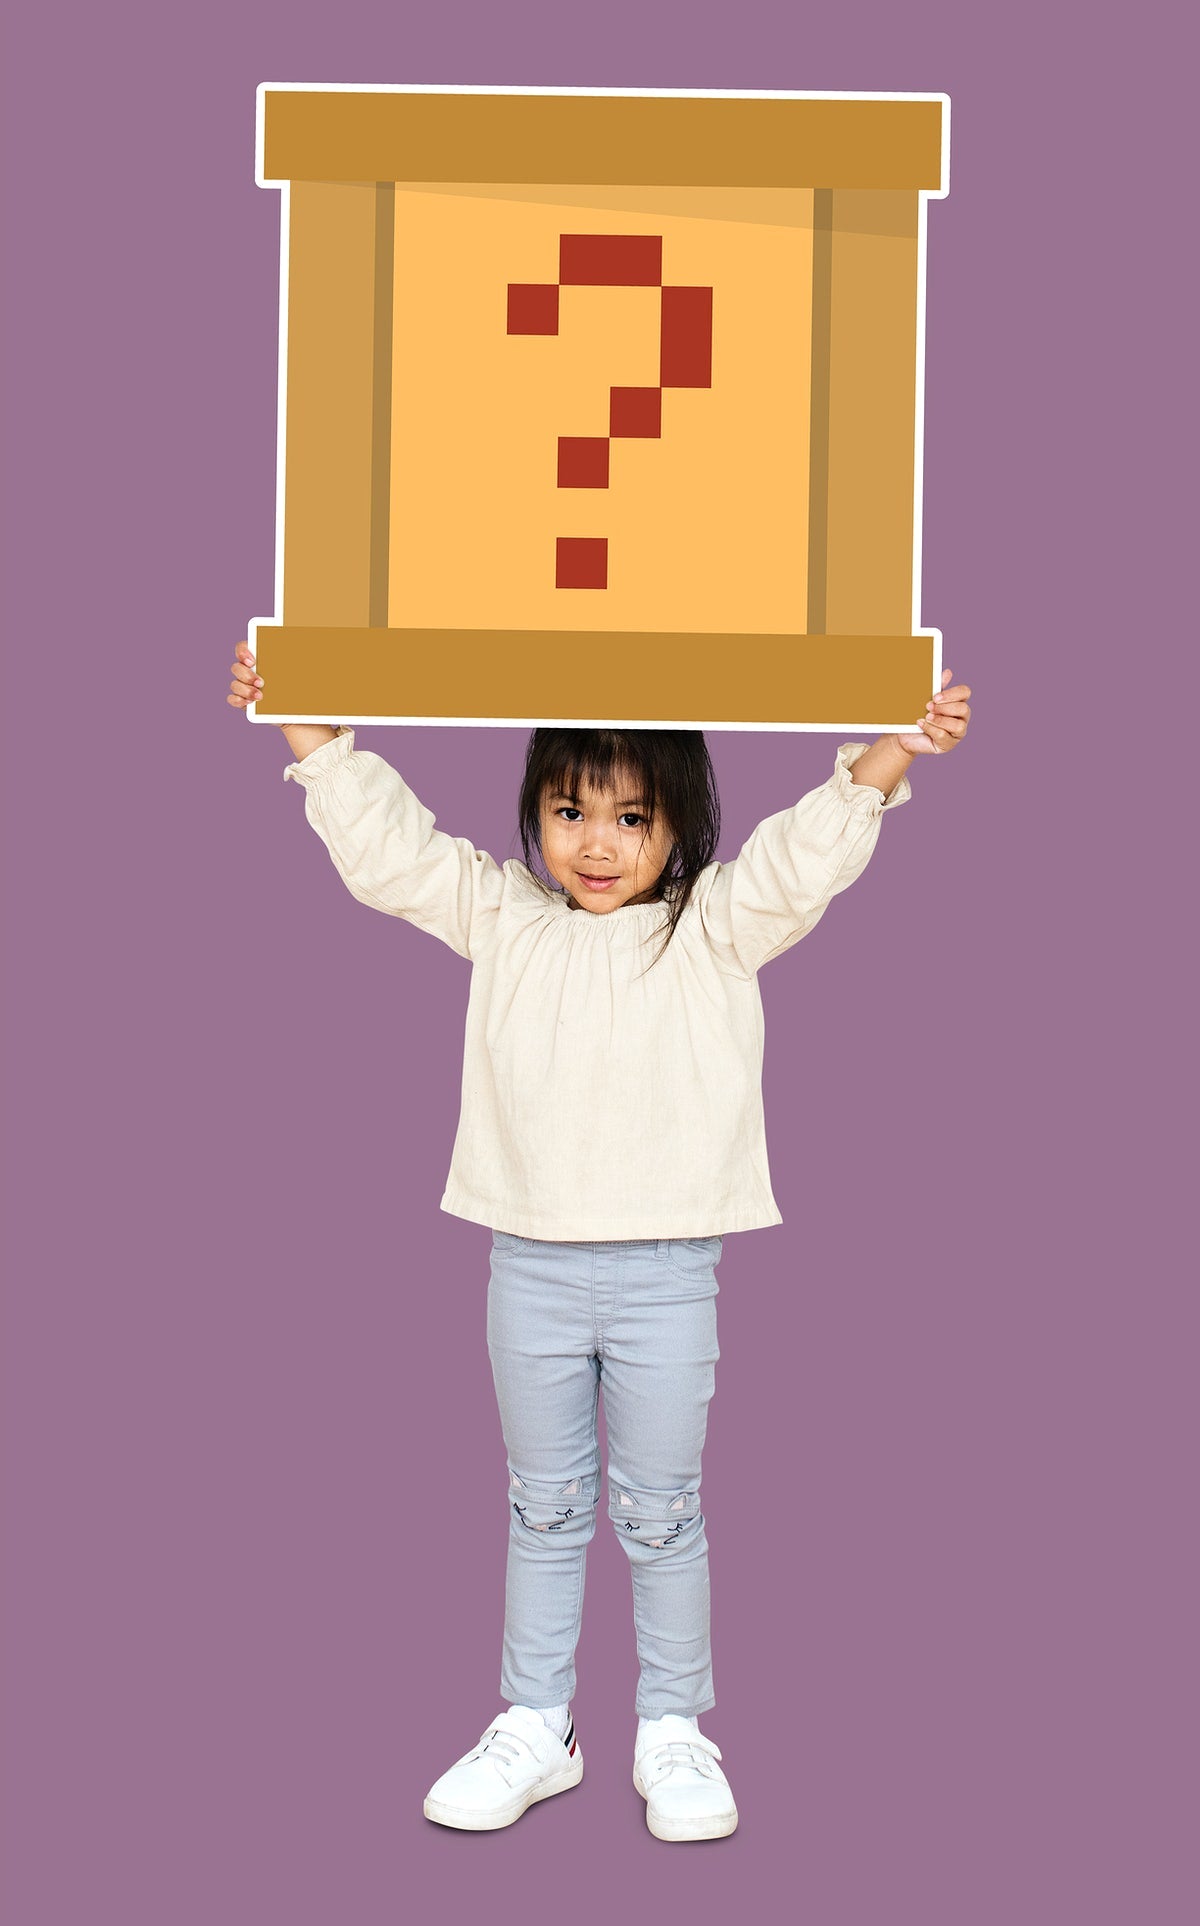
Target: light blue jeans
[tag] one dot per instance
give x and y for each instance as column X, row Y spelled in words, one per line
column 638, row 1318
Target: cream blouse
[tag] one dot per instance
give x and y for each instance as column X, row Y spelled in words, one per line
column 601, row 1098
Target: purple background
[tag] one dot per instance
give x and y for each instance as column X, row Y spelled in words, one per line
column 255, row 1522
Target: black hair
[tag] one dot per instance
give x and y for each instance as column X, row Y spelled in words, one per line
column 674, row 778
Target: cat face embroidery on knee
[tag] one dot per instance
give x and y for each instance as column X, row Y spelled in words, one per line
column 542, row 1509
column 658, row 1520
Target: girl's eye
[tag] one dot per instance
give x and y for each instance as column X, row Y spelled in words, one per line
column 631, row 819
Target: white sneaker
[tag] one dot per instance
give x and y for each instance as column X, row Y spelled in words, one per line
column 675, row 1769
column 517, row 1761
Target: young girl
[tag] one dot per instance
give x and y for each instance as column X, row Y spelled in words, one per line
column 611, row 1133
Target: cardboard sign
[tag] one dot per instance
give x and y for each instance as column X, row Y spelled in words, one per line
column 600, row 408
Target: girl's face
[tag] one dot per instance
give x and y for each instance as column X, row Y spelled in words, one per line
column 604, row 834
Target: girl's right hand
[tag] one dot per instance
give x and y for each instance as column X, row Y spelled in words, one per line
column 246, row 687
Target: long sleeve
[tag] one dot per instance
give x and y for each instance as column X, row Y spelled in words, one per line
column 386, row 849
column 794, row 863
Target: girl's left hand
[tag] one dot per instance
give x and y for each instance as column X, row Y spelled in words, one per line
column 945, row 722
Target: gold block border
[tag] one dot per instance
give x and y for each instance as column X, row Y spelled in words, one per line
column 617, row 140
column 867, row 682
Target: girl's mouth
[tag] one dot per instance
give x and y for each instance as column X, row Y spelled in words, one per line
column 597, row 882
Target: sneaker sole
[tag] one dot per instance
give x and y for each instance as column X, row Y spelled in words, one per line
column 711, row 1826
column 463, row 1819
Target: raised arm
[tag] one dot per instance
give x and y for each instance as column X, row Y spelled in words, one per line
column 382, row 840
column 795, row 863
column 780, row 885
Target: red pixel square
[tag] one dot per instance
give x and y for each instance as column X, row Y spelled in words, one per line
column 610, row 260
column 533, row 307
column 581, row 562
column 583, row 461
column 636, row 412
column 686, row 360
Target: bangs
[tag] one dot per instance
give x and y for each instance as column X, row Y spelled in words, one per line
column 609, row 761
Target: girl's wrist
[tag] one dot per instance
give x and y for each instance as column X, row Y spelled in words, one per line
column 305, row 738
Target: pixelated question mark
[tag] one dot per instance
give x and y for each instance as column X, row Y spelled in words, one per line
column 685, row 361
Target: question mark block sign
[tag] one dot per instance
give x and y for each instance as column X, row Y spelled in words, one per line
column 600, row 408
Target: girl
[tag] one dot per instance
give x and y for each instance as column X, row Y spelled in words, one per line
column 611, row 1133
